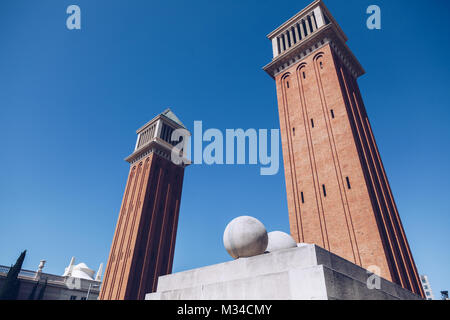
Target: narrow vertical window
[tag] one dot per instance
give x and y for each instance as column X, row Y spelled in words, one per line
column 312, row 123
column 304, row 75
column 299, row 32
column 293, row 33
column 308, row 21
column 293, row 131
column 321, row 65
column 287, row 84
column 303, row 198
column 332, row 113
column 348, row 183
column 324, row 190
column 314, row 20
column 304, row 27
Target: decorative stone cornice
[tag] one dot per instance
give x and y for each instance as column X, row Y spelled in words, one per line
column 306, row 32
column 168, row 116
column 157, row 146
column 156, row 137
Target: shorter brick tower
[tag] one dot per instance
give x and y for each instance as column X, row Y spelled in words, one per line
column 144, row 240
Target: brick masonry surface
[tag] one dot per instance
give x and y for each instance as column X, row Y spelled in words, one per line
column 337, row 190
column 144, row 240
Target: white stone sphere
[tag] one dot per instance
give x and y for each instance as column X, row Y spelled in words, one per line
column 245, row 237
column 280, row 240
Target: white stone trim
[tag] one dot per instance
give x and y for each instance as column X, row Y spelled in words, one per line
column 275, row 47
column 137, row 141
column 158, row 129
column 319, row 17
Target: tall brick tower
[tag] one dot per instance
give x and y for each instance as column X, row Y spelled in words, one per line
column 144, row 240
column 338, row 192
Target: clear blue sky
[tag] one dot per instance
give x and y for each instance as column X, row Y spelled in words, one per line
column 70, row 102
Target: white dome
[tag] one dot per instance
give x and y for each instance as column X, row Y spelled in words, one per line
column 280, row 240
column 81, row 271
column 81, row 265
column 245, row 237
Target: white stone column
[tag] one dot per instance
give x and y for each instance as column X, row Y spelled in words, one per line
column 302, row 30
column 137, row 141
column 286, row 43
column 275, row 47
column 158, row 129
column 293, row 40
column 297, row 35
column 313, row 22
column 308, row 30
column 282, row 43
column 319, row 17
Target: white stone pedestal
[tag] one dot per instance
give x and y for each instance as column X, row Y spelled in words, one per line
column 304, row 273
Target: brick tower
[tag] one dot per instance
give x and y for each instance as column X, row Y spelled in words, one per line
column 338, row 192
column 144, row 240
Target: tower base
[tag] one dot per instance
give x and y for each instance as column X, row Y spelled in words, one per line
column 304, row 273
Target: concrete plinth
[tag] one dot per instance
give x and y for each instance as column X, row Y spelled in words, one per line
column 304, row 273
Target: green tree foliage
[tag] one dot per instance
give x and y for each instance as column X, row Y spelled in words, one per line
column 10, row 288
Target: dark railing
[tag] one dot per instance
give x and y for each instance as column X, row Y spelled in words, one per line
column 32, row 274
column 69, row 282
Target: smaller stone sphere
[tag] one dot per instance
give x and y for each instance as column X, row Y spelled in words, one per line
column 245, row 237
column 279, row 241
